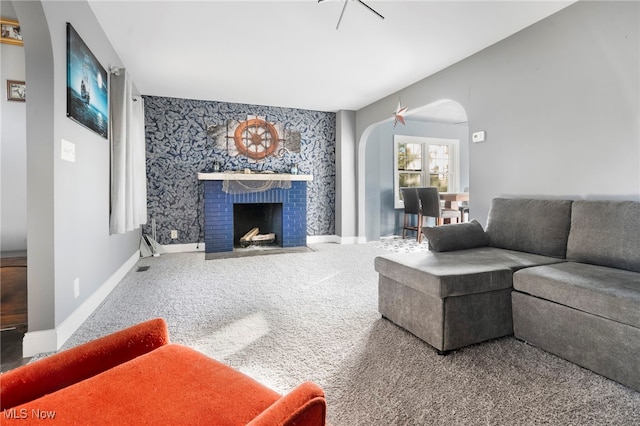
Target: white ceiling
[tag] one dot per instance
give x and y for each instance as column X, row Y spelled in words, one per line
column 289, row 53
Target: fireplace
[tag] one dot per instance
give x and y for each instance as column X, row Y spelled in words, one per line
column 285, row 205
column 265, row 218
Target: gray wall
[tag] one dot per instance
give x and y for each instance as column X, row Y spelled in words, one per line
column 13, row 148
column 559, row 102
column 68, row 203
column 345, row 175
column 383, row 219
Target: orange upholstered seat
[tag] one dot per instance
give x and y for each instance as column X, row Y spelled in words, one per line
column 169, row 384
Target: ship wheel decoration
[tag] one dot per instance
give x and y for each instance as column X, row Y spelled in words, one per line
column 256, row 138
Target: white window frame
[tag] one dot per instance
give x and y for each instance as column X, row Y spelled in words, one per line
column 454, row 162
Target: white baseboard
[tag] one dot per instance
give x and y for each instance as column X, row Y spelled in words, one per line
column 36, row 342
column 183, row 248
column 353, row 240
column 42, row 341
column 316, row 239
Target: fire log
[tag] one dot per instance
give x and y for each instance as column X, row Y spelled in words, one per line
column 249, row 235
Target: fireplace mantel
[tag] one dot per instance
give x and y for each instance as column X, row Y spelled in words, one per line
column 254, row 176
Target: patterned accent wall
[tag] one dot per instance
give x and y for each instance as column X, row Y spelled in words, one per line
column 178, row 147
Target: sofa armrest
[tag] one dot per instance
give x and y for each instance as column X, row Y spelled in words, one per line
column 63, row 369
column 304, row 405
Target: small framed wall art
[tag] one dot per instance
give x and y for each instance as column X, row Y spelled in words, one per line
column 16, row 91
column 10, row 32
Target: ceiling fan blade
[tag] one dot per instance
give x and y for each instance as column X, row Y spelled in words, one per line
column 344, row 7
column 370, row 8
column 342, row 13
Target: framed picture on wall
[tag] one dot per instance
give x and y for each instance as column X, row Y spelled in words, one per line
column 10, row 32
column 16, row 91
column 87, row 86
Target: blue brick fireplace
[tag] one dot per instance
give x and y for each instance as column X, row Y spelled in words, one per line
column 219, row 214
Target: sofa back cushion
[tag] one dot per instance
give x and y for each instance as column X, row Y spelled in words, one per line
column 605, row 233
column 533, row 226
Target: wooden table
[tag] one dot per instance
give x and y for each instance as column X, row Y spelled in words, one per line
column 452, row 199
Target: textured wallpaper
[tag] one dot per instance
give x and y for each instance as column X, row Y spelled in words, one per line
column 178, row 147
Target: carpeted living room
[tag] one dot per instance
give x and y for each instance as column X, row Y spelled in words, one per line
column 286, row 318
column 227, row 247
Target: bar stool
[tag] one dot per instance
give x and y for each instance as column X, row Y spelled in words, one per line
column 430, row 205
column 411, row 208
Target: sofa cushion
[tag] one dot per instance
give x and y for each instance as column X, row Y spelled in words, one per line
column 606, row 292
column 605, row 233
column 457, row 273
column 458, row 236
column 532, row 226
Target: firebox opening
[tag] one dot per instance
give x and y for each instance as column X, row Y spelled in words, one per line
column 266, row 217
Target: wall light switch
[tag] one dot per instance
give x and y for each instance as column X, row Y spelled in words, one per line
column 478, row 136
column 76, row 287
column 67, row 151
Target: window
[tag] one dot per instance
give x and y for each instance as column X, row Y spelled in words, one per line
column 421, row 161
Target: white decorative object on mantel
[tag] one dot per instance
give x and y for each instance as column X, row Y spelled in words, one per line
column 254, row 176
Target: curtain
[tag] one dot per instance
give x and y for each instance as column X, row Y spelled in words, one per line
column 128, row 167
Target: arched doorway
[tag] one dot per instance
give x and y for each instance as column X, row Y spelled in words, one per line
column 13, row 235
column 40, row 147
column 377, row 215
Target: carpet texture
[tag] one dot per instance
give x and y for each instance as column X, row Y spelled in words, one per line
column 286, row 318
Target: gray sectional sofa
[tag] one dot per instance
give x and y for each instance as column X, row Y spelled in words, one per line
column 562, row 275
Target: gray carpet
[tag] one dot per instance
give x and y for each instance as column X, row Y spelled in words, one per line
column 286, row 318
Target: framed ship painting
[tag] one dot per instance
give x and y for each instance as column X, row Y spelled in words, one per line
column 87, row 86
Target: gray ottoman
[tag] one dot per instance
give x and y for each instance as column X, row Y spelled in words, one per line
column 451, row 299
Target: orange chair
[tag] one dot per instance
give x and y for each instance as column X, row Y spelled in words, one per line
column 136, row 377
